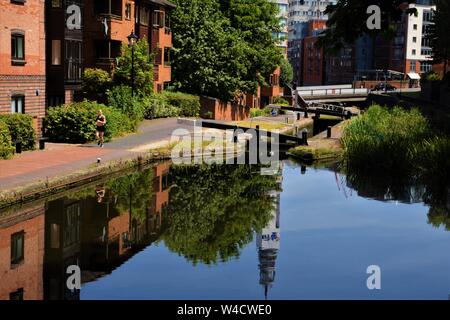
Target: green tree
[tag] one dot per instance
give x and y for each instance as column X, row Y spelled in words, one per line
column 143, row 67
column 440, row 35
column 207, row 227
column 222, row 48
column 287, row 73
column 96, row 81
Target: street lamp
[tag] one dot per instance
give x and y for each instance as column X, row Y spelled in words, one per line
column 132, row 39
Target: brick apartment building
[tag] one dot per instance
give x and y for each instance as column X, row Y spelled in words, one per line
column 22, row 254
column 22, row 58
column 105, row 26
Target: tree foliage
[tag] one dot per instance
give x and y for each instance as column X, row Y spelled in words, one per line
column 440, row 33
column 223, row 48
column 287, row 73
column 143, row 67
column 214, row 211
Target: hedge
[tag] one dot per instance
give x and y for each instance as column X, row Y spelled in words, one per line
column 6, row 149
column 75, row 123
column 21, row 129
column 172, row 104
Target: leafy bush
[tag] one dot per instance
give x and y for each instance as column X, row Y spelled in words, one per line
column 6, row 148
column 21, row 129
column 143, row 67
column 430, row 77
column 384, row 139
column 96, row 81
column 120, row 98
column 171, row 104
column 75, row 123
column 157, row 107
column 188, row 105
column 280, row 101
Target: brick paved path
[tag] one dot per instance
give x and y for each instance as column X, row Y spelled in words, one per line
column 60, row 159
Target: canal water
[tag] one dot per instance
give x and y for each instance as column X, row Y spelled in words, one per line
column 228, row 232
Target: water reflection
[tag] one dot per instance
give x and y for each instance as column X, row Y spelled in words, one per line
column 206, row 214
column 434, row 192
column 268, row 242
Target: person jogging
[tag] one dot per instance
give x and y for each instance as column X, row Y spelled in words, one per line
column 101, row 128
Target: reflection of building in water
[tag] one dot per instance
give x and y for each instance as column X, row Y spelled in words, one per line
column 109, row 235
column 160, row 197
column 268, row 243
column 21, row 254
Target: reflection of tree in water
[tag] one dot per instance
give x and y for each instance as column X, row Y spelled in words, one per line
column 132, row 193
column 433, row 191
column 214, row 211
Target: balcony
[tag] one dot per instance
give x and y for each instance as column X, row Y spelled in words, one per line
column 109, row 8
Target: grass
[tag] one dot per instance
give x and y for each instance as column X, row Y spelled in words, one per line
column 396, row 142
column 264, row 125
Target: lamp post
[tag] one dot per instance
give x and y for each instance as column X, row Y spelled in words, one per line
column 132, row 39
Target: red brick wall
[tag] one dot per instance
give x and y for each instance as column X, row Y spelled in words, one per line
column 223, row 111
column 28, row 79
column 28, row 275
column 312, row 63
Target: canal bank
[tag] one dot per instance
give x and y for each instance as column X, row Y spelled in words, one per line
column 37, row 174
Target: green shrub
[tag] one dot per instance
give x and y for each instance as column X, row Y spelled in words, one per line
column 21, row 129
column 6, row 148
column 75, row 123
column 280, row 101
column 188, row 105
column 384, row 139
column 157, row 107
column 96, row 81
column 120, row 98
column 171, row 104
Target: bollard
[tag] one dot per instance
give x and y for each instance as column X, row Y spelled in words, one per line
column 305, row 137
column 306, row 114
column 298, row 116
column 303, row 169
column 41, row 144
column 329, row 132
column 18, row 147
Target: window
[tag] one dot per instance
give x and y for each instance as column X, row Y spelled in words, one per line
column 56, row 52
column 158, row 19
column 16, row 295
column 144, row 16
column 414, row 39
column 18, row 104
column 167, row 56
column 415, row 26
column 56, row 4
column 412, row 66
column 413, row 52
column 73, row 60
column 128, row 11
column 18, row 47
column 17, row 248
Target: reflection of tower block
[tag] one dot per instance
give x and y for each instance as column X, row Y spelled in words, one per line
column 267, row 271
column 268, row 243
